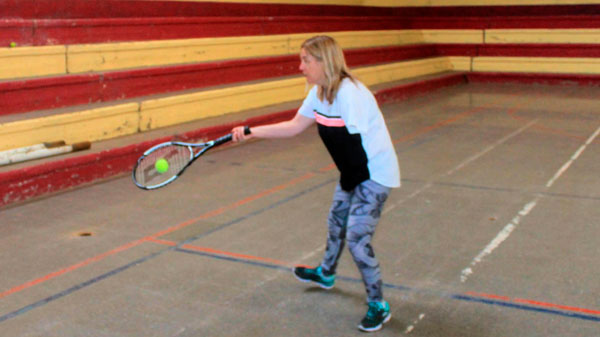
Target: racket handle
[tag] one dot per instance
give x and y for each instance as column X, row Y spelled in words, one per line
column 229, row 137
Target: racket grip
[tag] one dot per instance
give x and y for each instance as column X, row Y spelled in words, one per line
column 229, row 137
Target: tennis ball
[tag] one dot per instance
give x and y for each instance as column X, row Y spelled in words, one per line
column 13, row 44
column 161, row 165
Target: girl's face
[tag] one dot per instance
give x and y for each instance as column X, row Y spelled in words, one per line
column 312, row 69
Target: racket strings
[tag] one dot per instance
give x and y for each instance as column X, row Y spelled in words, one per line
column 177, row 157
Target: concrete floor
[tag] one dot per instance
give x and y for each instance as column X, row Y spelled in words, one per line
column 493, row 233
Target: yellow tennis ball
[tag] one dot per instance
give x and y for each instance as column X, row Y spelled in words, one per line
column 161, row 165
column 13, row 44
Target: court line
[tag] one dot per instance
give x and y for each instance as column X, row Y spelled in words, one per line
column 508, row 190
column 411, row 327
column 491, row 147
column 499, row 239
column 234, row 205
column 440, row 124
column 464, row 163
column 77, row 287
column 545, row 128
column 70, row 268
column 532, row 302
column 511, row 226
column 566, row 166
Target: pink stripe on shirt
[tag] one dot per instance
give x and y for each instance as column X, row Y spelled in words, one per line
column 329, row 121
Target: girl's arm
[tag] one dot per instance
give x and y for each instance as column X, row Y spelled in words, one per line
column 278, row 130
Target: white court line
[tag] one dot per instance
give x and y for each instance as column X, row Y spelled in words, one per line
column 508, row 229
column 573, row 158
column 497, row 241
column 411, row 327
column 491, row 147
column 461, row 165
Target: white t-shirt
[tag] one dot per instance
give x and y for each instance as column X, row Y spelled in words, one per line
column 355, row 134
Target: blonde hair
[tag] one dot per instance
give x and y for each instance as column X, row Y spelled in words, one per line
column 327, row 51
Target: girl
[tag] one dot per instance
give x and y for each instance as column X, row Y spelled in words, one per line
column 354, row 132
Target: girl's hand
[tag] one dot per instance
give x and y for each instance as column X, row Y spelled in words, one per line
column 239, row 135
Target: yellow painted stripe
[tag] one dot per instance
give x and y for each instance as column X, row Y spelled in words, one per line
column 557, row 65
column 461, row 63
column 41, row 61
column 32, row 61
column 590, row 36
column 402, row 70
column 363, row 39
column 463, row 36
column 185, row 108
column 293, row 2
column 412, row 3
column 88, row 125
column 102, row 57
column 112, row 56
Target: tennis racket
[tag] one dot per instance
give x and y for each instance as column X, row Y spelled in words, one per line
column 165, row 162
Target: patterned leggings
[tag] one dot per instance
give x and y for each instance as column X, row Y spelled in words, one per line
column 353, row 217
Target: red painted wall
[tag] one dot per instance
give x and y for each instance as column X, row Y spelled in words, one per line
column 56, row 9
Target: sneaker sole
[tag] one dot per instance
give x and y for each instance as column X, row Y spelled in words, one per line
column 376, row 328
column 313, row 282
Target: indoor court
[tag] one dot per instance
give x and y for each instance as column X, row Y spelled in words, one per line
column 492, row 106
column 492, row 233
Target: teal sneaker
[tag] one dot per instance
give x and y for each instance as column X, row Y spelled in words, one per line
column 377, row 315
column 314, row 275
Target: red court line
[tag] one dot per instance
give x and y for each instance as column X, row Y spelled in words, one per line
column 70, row 268
column 544, row 128
column 232, row 206
column 225, row 253
column 439, row 125
column 512, row 112
column 214, row 212
column 557, row 306
column 236, row 255
column 534, row 303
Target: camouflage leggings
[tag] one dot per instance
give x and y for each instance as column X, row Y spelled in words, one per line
column 353, row 217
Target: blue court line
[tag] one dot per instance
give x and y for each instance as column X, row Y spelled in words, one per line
column 460, row 297
column 525, row 307
column 123, row 268
column 77, row 287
